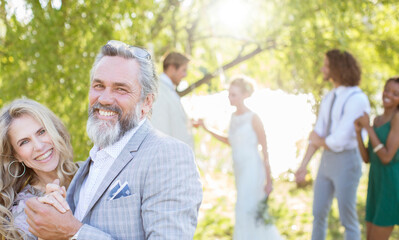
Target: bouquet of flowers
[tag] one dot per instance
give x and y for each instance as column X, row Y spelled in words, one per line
column 262, row 213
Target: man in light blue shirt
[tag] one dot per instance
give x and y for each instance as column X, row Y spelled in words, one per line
column 340, row 167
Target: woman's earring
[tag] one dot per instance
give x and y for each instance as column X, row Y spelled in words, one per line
column 16, row 176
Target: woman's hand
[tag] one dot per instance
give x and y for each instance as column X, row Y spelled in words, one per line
column 200, row 123
column 268, row 187
column 55, row 196
column 358, row 127
column 363, row 121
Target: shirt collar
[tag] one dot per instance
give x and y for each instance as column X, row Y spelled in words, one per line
column 115, row 149
column 341, row 89
column 166, row 79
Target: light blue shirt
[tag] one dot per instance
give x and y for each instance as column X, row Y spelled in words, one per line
column 350, row 103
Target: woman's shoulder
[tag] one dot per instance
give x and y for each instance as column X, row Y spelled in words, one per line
column 395, row 120
column 18, row 210
column 27, row 192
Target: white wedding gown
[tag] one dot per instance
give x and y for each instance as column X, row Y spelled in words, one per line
column 250, row 177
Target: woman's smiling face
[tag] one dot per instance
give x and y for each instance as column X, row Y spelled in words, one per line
column 33, row 145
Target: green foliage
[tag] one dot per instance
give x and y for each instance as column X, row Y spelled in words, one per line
column 291, row 208
column 47, row 54
column 215, row 225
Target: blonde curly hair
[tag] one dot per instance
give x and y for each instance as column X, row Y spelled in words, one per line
column 11, row 186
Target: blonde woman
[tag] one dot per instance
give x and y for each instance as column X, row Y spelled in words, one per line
column 35, row 150
column 251, row 170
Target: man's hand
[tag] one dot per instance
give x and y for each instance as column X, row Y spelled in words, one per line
column 48, row 223
column 300, row 175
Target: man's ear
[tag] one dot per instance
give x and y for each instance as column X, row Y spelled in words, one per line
column 147, row 104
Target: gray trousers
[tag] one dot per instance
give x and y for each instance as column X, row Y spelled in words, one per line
column 338, row 176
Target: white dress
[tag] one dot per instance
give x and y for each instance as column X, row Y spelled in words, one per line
column 250, row 177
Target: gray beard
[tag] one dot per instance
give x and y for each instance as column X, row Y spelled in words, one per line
column 104, row 133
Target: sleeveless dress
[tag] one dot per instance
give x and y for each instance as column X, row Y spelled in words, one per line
column 249, row 172
column 382, row 206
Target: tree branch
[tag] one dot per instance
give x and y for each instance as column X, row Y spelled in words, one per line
column 239, row 59
column 159, row 21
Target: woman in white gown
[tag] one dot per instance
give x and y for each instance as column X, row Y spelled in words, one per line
column 252, row 172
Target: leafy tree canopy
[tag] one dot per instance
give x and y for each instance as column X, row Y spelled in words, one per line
column 47, row 47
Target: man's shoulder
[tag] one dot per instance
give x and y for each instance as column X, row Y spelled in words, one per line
column 156, row 135
column 355, row 96
column 164, row 96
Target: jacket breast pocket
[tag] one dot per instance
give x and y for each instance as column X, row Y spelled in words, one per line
column 119, row 217
column 124, row 202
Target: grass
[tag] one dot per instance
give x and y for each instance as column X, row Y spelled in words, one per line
column 292, row 208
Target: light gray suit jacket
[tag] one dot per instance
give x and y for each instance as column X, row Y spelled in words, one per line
column 168, row 114
column 165, row 187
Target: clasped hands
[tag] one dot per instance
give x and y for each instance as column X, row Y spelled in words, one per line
column 55, row 196
column 51, row 222
column 197, row 123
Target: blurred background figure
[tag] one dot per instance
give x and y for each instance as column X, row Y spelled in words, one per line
column 35, row 150
column 382, row 205
column 252, row 172
column 340, row 167
column 168, row 114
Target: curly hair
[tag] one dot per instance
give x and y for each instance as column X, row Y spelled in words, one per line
column 344, row 69
column 11, row 186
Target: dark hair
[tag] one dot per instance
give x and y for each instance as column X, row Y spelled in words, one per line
column 176, row 59
column 344, row 68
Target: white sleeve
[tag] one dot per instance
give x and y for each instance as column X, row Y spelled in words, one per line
column 355, row 107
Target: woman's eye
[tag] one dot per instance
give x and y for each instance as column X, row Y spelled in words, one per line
column 42, row 131
column 23, row 142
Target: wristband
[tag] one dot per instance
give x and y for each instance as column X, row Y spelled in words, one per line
column 378, row 147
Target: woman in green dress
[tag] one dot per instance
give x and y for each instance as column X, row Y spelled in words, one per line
column 382, row 206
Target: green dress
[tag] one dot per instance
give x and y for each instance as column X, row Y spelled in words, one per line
column 382, row 207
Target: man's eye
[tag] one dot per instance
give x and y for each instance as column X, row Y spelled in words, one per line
column 98, row 86
column 121, row 90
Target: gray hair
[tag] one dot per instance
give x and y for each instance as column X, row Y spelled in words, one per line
column 147, row 77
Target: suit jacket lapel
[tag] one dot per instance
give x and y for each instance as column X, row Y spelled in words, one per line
column 76, row 184
column 127, row 154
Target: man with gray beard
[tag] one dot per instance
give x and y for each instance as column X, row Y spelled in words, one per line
column 137, row 182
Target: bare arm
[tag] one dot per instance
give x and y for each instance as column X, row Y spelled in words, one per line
column 391, row 147
column 318, row 141
column 214, row 133
column 301, row 172
column 363, row 150
column 261, row 135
